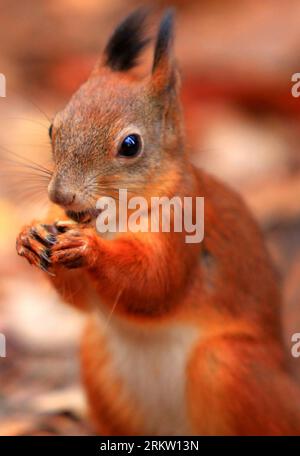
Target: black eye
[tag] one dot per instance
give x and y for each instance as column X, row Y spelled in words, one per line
column 130, row 146
column 50, row 131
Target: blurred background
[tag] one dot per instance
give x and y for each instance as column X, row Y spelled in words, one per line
column 237, row 58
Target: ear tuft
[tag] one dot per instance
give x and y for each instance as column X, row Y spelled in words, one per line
column 127, row 42
column 164, row 39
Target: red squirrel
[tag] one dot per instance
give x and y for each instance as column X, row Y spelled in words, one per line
column 182, row 338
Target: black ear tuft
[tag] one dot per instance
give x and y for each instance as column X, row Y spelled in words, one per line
column 164, row 38
column 127, row 42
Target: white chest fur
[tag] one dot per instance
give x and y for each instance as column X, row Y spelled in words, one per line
column 152, row 366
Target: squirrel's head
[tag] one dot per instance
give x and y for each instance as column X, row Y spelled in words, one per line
column 119, row 131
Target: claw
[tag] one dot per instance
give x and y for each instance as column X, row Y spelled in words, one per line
column 50, row 228
column 44, row 267
column 63, row 226
column 48, row 241
column 51, row 239
column 45, row 255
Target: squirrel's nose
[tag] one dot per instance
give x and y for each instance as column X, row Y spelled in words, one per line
column 60, row 195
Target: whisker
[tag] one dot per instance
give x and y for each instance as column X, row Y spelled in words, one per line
column 27, row 196
column 26, row 188
column 43, row 144
column 16, row 164
column 27, row 120
column 25, row 161
column 34, row 178
column 23, row 176
column 108, row 320
column 29, row 100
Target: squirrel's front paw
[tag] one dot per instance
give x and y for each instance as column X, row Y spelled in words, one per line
column 35, row 242
column 47, row 246
column 74, row 247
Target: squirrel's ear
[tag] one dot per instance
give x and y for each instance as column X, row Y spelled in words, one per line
column 164, row 71
column 127, row 42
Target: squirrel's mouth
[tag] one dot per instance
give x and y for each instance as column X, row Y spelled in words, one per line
column 83, row 216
